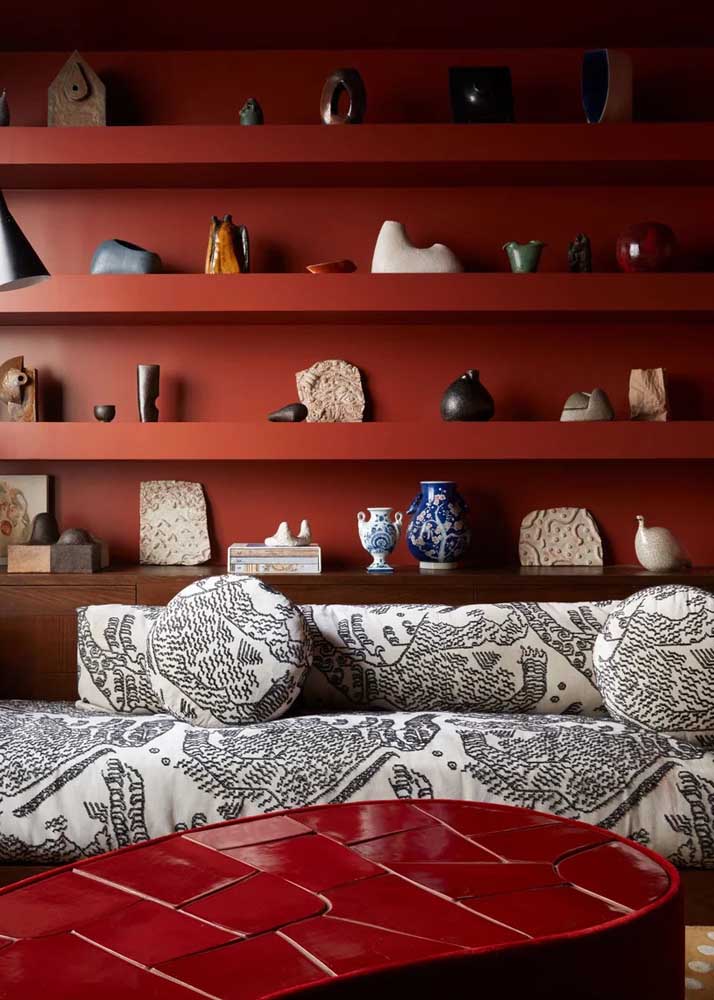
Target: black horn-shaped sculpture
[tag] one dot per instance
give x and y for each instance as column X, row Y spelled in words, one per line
column 18, row 261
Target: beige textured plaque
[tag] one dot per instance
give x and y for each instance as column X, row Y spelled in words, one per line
column 332, row 392
column 173, row 524
column 560, row 536
column 648, row 394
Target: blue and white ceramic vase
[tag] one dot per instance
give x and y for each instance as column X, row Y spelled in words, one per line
column 379, row 536
column 438, row 533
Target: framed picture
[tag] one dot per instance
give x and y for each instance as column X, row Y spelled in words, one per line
column 21, row 497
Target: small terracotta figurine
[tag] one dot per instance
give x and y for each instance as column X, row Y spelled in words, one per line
column 18, row 390
column 228, row 247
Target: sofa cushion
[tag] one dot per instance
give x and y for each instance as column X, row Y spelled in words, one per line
column 111, row 658
column 654, row 661
column 481, row 658
column 226, row 651
column 73, row 785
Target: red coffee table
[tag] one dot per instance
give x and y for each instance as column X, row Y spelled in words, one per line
column 359, row 900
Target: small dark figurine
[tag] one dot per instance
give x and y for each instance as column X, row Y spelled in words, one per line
column 343, row 81
column 251, row 113
column 44, row 530
column 579, row 255
column 481, row 94
column 105, row 412
column 228, row 247
column 293, row 413
column 4, row 110
column 467, row 399
column 147, row 379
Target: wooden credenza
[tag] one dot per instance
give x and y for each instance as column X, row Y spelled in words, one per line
column 38, row 612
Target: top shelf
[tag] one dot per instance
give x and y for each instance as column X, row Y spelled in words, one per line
column 195, row 156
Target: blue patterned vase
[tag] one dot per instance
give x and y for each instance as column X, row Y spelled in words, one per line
column 438, row 533
column 379, row 536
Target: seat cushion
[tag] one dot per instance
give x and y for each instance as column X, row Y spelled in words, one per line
column 228, row 650
column 73, row 784
column 482, row 658
column 654, row 662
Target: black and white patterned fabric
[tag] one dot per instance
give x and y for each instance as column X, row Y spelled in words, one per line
column 655, row 662
column 74, row 784
column 111, row 658
column 480, row 658
column 227, row 651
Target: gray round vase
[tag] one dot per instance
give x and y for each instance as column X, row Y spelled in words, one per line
column 120, row 257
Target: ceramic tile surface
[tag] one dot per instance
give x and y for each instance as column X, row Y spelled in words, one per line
column 257, row 908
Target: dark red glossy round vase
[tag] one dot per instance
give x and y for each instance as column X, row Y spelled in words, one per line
column 646, row 246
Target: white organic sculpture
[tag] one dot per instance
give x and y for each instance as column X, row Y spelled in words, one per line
column 283, row 536
column 394, row 253
column 657, row 549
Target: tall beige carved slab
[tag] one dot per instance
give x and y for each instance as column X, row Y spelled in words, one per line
column 173, row 524
column 560, row 536
column 648, row 394
column 332, row 392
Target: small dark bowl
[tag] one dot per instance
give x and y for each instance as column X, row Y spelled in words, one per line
column 105, row 412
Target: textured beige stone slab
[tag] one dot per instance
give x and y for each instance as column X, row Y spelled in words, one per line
column 560, row 536
column 173, row 524
column 648, row 394
column 332, row 392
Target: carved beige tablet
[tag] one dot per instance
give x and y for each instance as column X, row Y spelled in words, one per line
column 332, row 392
column 173, row 525
column 560, row 536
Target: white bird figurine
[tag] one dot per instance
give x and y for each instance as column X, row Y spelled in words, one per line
column 657, row 549
column 284, row 536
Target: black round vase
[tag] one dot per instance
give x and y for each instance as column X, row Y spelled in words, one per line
column 467, row 399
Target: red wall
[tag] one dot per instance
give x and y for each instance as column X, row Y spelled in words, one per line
column 240, row 373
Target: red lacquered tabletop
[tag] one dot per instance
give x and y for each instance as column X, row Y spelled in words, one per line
column 345, row 899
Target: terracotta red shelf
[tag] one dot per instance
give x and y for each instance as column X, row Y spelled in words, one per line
column 499, row 440
column 370, row 155
column 354, row 298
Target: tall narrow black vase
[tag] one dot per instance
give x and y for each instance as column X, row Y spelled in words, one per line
column 147, row 377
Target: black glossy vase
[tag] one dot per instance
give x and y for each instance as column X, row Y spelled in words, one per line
column 467, row 399
column 480, row 94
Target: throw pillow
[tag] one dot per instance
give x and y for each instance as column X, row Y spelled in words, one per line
column 228, row 650
column 654, row 662
column 111, row 659
column 479, row 658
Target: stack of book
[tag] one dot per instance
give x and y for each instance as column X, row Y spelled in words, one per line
column 258, row 559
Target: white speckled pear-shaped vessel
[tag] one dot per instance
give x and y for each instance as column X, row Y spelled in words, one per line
column 657, row 549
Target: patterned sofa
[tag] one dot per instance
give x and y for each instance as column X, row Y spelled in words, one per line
column 495, row 703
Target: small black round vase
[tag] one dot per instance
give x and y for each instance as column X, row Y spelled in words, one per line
column 467, row 399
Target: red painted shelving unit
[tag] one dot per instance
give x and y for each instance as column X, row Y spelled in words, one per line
column 354, row 298
column 494, row 441
column 373, row 155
